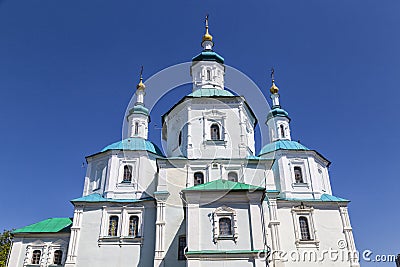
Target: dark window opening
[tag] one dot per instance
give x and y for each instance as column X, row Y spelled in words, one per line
column 304, row 229
column 133, row 226
column 127, row 173
column 136, row 128
column 58, row 257
column 198, row 178
column 36, row 256
column 233, row 177
column 282, row 131
column 181, row 247
column 225, row 227
column 208, row 75
column 215, row 134
column 298, row 175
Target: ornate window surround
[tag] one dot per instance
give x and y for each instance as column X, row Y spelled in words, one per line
column 301, row 163
column 307, row 212
column 214, row 117
column 122, row 164
column 47, row 252
column 123, row 237
column 224, row 212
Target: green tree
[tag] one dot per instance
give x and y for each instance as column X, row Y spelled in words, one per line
column 5, row 246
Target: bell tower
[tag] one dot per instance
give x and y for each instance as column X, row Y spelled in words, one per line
column 138, row 117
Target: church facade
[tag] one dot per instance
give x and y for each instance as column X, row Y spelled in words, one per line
column 208, row 200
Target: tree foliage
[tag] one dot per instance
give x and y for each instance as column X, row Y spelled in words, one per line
column 5, row 246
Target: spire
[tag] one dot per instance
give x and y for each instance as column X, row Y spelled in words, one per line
column 138, row 116
column 140, row 89
column 207, row 42
column 274, row 91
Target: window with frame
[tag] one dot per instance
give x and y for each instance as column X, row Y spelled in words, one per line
column 181, row 247
column 225, row 224
column 232, row 176
column 305, row 232
column 58, row 257
column 198, row 178
column 113, row 226
column 127, row 174
column 36, row 256
column 133, row 226
column 215, row 132
column 298, row 175
column 225, row 227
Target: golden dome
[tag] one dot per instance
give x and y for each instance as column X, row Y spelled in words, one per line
column 274, row 89
column 207, row 36
column 141, row 85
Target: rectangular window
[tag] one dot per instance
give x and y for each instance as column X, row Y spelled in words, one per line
column 113, row 226
column 181, row 247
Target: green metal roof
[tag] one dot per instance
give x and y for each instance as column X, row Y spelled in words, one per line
column 282, row 144
column 277, row 112
column 99, row 198
column 52, row 225
column 134, row 143
column 208, row 55
column 210, row 92
column 224, row 185
column 323, row 198
column 139, row 109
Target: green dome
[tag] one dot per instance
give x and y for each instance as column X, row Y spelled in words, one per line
column 208, row 56
column 284, row 145
column 277, row 112
column 139, row 109
column 134, row 144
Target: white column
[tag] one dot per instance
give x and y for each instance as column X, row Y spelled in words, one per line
column 274, row 226
column 348, row 233
column 74, row 239
column 161, row 198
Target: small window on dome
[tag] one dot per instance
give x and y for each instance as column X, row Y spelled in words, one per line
column 282, row 128
column 208, row 75
column 298, row 176
column 127, row 173
column 136, row 128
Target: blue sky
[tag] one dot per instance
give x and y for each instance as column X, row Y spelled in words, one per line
column 69, row 68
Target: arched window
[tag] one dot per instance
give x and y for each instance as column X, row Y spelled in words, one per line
column 113, row 226
column 36, row 256
column 180, row 138
column 215, row 135
column 198, row 178
column 282, row 128
column 208, row 75
column 127, row 173
column 232, row 176
column 133, row 226
column 225, row 227
column 298, row 176
column 304, row 229
column 58, row 257
column 136, row 128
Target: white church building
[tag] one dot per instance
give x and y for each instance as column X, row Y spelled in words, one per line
column 210, row 199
